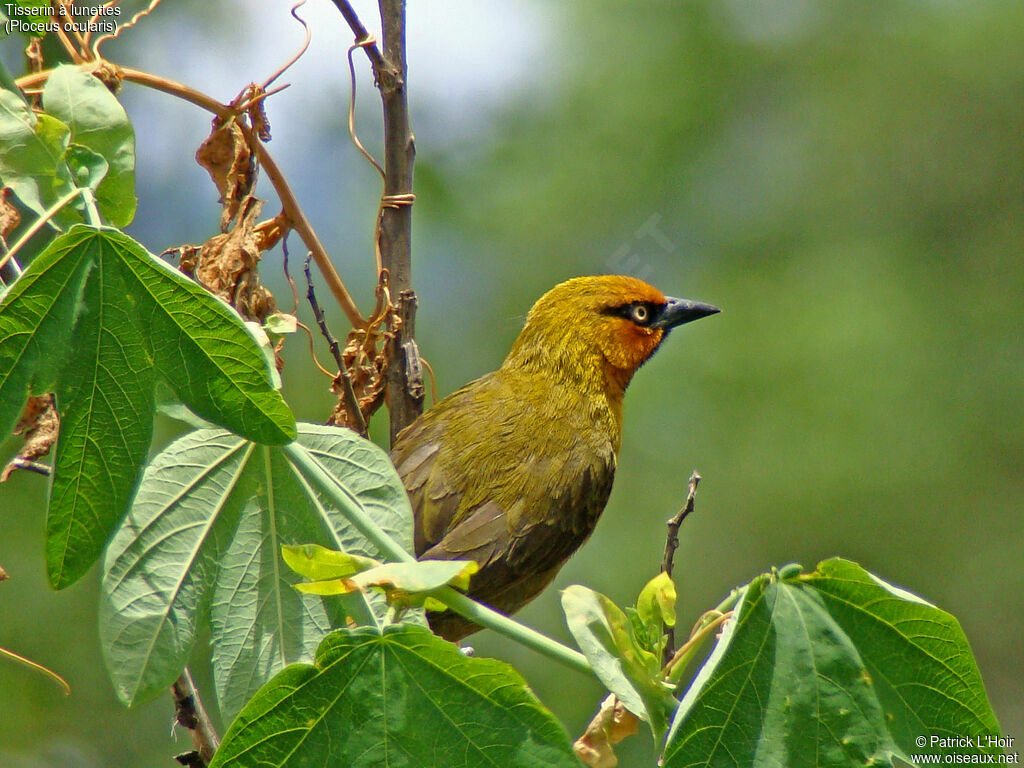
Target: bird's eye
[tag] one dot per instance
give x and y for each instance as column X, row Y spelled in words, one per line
column 640, row 313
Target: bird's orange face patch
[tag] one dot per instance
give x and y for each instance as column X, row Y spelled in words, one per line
column 629, row 305
column 627, row 345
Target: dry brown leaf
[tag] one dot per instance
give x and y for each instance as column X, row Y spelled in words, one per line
column 269, row 232
column 227, row 265
column 9, row 216
column 226, row 156
column 366, row 360
column 258, row 115
column 40, row 425
column 612, row 723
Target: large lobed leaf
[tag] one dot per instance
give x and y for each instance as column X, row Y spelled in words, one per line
column 96, row 318
column 834, row 668
column 403, row 698
column 204, row 536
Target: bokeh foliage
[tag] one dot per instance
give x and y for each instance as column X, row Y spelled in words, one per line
column 843, row 178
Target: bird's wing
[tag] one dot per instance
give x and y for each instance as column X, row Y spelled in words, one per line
column 512, row 545
column 432, row 498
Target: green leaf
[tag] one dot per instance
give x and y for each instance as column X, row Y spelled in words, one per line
column 32, row 153
column 87, row 168
column 201, row 348
column 401, row 698
column 830, row 669
column 605, row 636
column 37, row 315
column 105, row 400
column 320, row 563
column 406, row 578
column 98, row 122
column 280, row 323
column 204, row 536
column 656, row 604
column 83, row 322
column 919, row 660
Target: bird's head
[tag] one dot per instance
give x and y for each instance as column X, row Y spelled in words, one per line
column 607, row 324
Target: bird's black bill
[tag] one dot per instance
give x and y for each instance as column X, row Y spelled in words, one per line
column 680, row 311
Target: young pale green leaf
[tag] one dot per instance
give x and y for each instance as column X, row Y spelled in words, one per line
column 97, row 121
column 401, row 697
column 87, row 168
column 320, row 563
column 204, row 537
column 830, row 669
column 280, row 323
column 202, row 349
column 408, row 579
column 604, row 634
column 105, row 400
column 32, row 153
column 656, row 604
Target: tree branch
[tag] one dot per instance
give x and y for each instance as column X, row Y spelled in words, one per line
column 189, row 713
column 363, row 37
column 405, row 399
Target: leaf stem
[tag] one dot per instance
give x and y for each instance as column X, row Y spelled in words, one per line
column 38, row 224
column 458, row 602
column 91, row 211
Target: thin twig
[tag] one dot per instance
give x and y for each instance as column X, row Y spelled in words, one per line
column 190, row 713
column 672, row 543
column 363, row 38
column 393, row 229
column 27, row 464
column 351, row 401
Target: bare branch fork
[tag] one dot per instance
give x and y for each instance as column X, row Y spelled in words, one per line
column 394, row 226
column 672, row 544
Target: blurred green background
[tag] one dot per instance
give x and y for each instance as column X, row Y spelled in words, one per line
column 845, row 179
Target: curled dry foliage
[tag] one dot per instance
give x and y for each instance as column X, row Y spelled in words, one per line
column 226, row 264
column 9, row 216
column 366, row 360
column 227, row 157
column 40, row 425
column 612, row 723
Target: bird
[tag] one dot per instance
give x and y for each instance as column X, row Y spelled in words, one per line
column 514, row 469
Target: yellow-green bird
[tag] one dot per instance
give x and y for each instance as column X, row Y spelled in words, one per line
column 514, row 469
